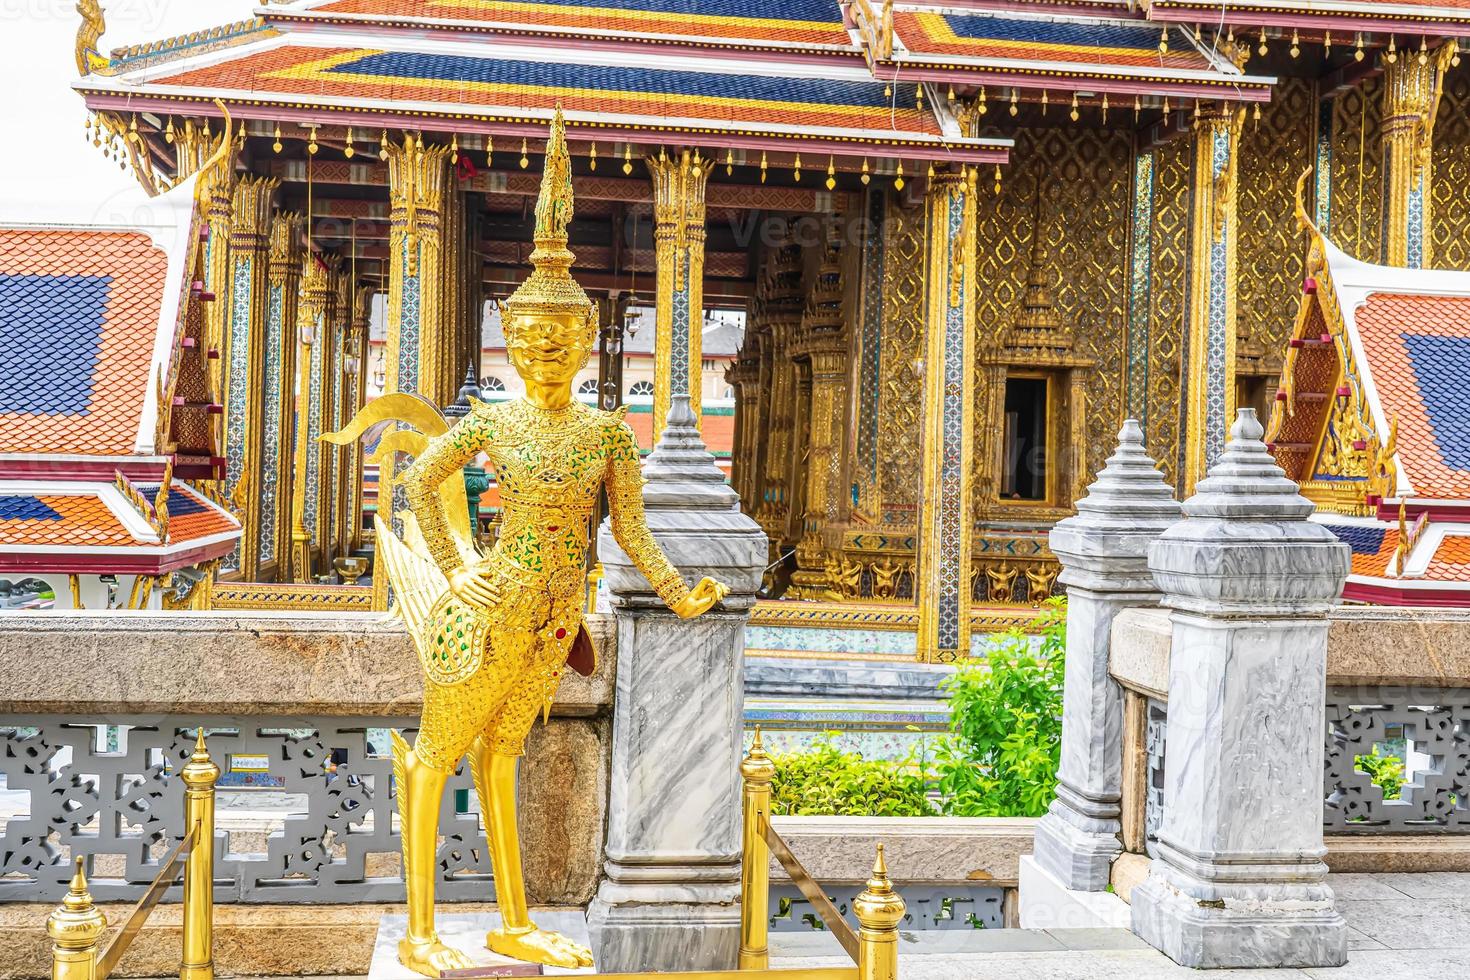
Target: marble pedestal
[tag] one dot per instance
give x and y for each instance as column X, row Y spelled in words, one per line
column 1238, row 878
column 670, row 900
column 466, row 933
column 1103, row 550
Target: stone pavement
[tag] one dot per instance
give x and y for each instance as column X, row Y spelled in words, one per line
column 1402, row 927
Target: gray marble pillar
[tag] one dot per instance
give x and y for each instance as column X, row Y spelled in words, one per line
column 1104, row 556
column 670, row 900
column 1239, row 880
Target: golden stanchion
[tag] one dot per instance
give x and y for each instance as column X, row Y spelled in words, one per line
column 74, row 928
column 757, row 770
column 879, row 911
column 199, row 777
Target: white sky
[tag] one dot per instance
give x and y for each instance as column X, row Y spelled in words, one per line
column 49, row 170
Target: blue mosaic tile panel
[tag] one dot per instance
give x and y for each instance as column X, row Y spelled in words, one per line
column 50, row 329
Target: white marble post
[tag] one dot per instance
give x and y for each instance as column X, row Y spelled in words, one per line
column 1104, row 556
column 670, row 898
column 1239, row 879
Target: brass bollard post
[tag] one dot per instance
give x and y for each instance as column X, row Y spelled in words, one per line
column 757, row 770
column 74, row 928
column 199, row 777
column 879, row 911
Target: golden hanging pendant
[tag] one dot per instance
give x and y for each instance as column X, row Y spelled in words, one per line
column 997, row 178
column 592, row 156
column 796, row 171
column 831, row 173
column 311, row 142
column 763, row 166
column 1015, row 101
column 168, row 130
column 525, row 160
column 627, row 158
column 382, row 144
column 865, row 177
column 1075, row 114
column 729, row 162
column 454, row 148
column 348, row 150
column 898, row 177
column 277, row 144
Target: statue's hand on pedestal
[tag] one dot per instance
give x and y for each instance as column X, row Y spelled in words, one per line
column 701, row 598
column 473, row 587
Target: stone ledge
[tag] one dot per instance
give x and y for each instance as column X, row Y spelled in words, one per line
column 80, row 663
column 1397, row 853
column 1405, row 648
column 932, row 850
column 249, row 940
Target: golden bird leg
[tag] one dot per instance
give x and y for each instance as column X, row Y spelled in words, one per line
column 421, row 951
column 518, row 937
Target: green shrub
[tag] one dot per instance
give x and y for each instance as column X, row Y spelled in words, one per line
column 1001, row 756
column 826, row 781
column 1386, row 771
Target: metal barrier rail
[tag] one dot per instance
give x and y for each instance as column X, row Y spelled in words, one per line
column 77, row 925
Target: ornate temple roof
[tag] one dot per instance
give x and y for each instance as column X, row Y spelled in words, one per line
column 798, row 25
column 91, row 319
column 1373, row 419
column 1439, row 16
column 92, row 526
column 1029, row 50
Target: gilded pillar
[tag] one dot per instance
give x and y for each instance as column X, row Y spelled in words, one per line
column 824, row 343
column 333, row 506
column 310, row 341
column 1412, row 86
column 799, row 426
column 678, row 232
column 945, row 527
column 783, row 312
column 356, row 374
column 278, row 403
column 418, row 178
column 244, row 357
column 1209, row 381
column 218, row 200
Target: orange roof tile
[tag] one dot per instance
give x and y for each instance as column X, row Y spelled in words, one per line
column 78, row 316
column 1418, row 352
column 75, row 521
column 1451, row 561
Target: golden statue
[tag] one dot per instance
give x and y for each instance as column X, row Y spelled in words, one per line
column 494, row 632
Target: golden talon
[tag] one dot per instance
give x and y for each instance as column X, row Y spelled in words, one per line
column 538, row 945
column 430, row 957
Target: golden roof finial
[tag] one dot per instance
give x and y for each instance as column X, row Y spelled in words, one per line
column 550, row 289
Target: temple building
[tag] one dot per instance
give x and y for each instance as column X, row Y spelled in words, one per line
column 109, row 433
column 966, row 242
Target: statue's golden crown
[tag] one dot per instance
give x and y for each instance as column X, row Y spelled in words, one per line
column 550, row 289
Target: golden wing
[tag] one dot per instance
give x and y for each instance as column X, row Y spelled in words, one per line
column 417, row 582
column 420, row 413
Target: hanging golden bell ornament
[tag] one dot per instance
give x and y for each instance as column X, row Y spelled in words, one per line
column 1045, row 101
column 1423, row 51
column 1327, row 43
column 525, row 160
column 1164, row 42
column 729, row 162
column 763, row 166
column 592, row 156
column 898, row 177
column 1296, row 43
column 454, row 148
column 1075, row 114
column 276, row 146
column 348, row 150
column 382, row 143
column 796, row 170
column 1015, row 101
column 1393, row 53
column 1137, row 108
column 1105, row 109
column 931, row 170
column 1358, row 48
column 865, row 177
column 1263, row 48
column 997, row 178
column 311, row 142
column 831, row 173
column 982, row 108
column 168, row 130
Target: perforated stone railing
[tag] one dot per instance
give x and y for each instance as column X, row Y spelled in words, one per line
column 1430, row 729
column 111, row 793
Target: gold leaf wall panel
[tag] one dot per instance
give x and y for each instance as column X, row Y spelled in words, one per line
column 1357, row 192
column 1450, row 220
column 901, row 398
column 1084, row 217
column 1273, row 152
column 1168, row 293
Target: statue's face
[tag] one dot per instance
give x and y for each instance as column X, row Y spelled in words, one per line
column 548, row 349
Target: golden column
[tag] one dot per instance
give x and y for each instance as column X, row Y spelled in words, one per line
column 1209, row 400
column 218, row 200
column 278, row 397
column 418, row 180
column 333, row 506
column 678, row 232
column 1412, row 86
column 945, row 531
column 356, row 368
column 310, row 342
column 783, row 314
column 824, row 344
column 244, row 357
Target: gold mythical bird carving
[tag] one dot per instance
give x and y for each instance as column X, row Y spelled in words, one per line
column 494, row 632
